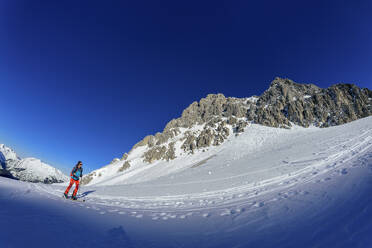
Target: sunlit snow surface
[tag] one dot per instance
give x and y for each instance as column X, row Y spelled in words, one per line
column 268, row 187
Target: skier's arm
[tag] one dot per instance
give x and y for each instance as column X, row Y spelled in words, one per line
column 72, row 172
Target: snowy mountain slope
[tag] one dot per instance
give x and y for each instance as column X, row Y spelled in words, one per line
column 303, row 187
column 209, row 126
column 259, row 156
column 7, row 153
column 28, row 169
column 247, row 154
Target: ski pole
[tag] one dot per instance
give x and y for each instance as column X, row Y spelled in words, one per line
column 80, row 184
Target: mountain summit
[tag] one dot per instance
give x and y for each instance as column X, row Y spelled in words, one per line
column 211, row 121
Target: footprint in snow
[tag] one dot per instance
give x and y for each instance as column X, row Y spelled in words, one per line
column 344, row 171
column 283, row 195
column 227, row 212
column 259, row 204
column 206, row 215
column 240, row 210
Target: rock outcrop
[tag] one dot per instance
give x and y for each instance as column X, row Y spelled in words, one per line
column 306, row 104
column 87, row 178
column 125, row 166
column 214, row 133
column 159, row 152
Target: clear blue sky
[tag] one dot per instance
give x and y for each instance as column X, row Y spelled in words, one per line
column 86, row 80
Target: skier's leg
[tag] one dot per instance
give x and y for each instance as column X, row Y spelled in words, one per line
column 76, row 188
column 69, row 186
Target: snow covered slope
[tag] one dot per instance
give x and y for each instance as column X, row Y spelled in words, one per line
column 28, row 169
column 7, row 153
column 259, row 152
column 268, row 187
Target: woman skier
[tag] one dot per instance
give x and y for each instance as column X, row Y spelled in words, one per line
column 76, row 173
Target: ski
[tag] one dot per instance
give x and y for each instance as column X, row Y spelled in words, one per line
column 70, row 198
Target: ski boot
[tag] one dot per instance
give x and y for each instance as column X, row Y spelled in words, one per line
column 65, row 195
column 74, row 197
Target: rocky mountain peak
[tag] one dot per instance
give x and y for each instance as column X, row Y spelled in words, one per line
column 288, row 90
column 211, row 121
column 284, row 103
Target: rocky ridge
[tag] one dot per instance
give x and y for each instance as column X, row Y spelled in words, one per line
column 211, row 120
column 283, row 104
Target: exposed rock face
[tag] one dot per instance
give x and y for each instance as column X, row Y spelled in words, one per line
column 208, row 108
column 285, row 102
column 125, row 166
column 125, row 156
column 115, row 160
column 214, row 133
column 305, row 104
column 87, row 178
column 240, row 126
column 160, row 152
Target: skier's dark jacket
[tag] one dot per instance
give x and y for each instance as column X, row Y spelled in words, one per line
column 76, row 173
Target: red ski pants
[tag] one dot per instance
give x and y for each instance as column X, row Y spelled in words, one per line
column 72, row 181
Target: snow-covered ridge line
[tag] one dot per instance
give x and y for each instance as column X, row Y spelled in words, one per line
column 28, row 169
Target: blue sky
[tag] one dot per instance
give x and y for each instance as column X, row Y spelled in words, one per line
column 86, row 80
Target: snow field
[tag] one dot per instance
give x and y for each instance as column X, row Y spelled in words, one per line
column 265, row 188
